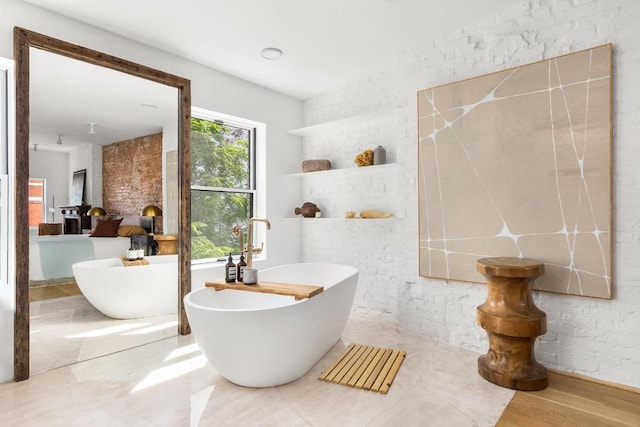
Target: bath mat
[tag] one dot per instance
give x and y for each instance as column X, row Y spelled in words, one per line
column 365, row 367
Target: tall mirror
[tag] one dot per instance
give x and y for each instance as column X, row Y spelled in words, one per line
column 103, row 149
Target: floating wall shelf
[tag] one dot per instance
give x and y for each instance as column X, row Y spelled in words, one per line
column 355, row 169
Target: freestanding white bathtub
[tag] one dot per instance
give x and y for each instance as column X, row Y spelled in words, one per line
column 264, row 340
column 130, row 292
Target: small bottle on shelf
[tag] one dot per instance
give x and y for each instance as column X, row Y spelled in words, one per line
column 380, row 155
column 230, row 270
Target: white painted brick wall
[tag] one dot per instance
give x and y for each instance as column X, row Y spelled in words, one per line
column 598, row 338
column 89, row 157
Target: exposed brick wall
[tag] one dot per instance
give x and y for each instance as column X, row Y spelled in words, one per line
column 132, row 175
column 593, row 337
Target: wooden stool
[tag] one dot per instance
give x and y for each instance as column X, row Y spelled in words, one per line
column 167, row 244
column 512, row 322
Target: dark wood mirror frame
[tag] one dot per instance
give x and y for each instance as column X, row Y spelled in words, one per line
column 23, row 40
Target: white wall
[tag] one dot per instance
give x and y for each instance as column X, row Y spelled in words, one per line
column 210, row 89
column 86, row 156
column 4, row 155
column 597, row 338
column 7, row 166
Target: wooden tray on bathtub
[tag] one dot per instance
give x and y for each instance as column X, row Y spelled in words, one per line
column 297, row 291
column 128, row 263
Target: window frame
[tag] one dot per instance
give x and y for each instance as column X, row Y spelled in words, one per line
column 4, row 229
column 257, row 151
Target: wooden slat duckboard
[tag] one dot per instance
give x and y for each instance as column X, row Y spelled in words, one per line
column 365, row 367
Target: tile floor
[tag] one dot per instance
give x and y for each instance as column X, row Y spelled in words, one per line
column 170, row 383
column 69, row 329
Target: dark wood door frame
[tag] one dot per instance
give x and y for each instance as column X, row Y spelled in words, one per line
column 23, row 40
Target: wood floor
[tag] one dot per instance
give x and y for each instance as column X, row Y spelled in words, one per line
column 571, row 401
column 40, row 293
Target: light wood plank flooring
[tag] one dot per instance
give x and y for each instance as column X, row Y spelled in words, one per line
column 571, row 401
column 40, row 293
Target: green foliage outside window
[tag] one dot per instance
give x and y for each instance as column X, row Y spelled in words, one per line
column 221, row 164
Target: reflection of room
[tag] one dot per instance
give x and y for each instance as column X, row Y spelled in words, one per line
column 97, row 174
column 119, row 180
column 79, row 123
column 122, row 178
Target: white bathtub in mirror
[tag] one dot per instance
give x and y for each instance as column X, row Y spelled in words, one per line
column 130, row 292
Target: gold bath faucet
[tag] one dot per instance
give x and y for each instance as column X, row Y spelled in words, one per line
column 249, row 250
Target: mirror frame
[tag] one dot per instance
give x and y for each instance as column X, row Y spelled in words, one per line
column 24, row 39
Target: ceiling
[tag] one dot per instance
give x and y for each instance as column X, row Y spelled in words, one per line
column 326, row 44
column 67, row 95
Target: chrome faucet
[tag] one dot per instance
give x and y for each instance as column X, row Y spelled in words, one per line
column 249, row 249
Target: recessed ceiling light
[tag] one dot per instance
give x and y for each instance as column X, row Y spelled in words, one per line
column 271, row 53
column 148, row 105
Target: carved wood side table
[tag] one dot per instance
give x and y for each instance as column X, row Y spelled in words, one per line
column 512, row 322
column 167, row 244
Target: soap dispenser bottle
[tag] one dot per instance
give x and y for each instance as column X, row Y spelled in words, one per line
column 230, row 270
column 240, row 268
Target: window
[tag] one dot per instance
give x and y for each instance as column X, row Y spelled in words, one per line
column 37, row 202
column 223, row 182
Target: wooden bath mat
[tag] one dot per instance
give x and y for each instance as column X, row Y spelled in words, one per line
column 365, row 367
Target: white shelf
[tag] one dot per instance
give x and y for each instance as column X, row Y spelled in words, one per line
column 381, row 119
column 376, row 168
column 358, row 120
